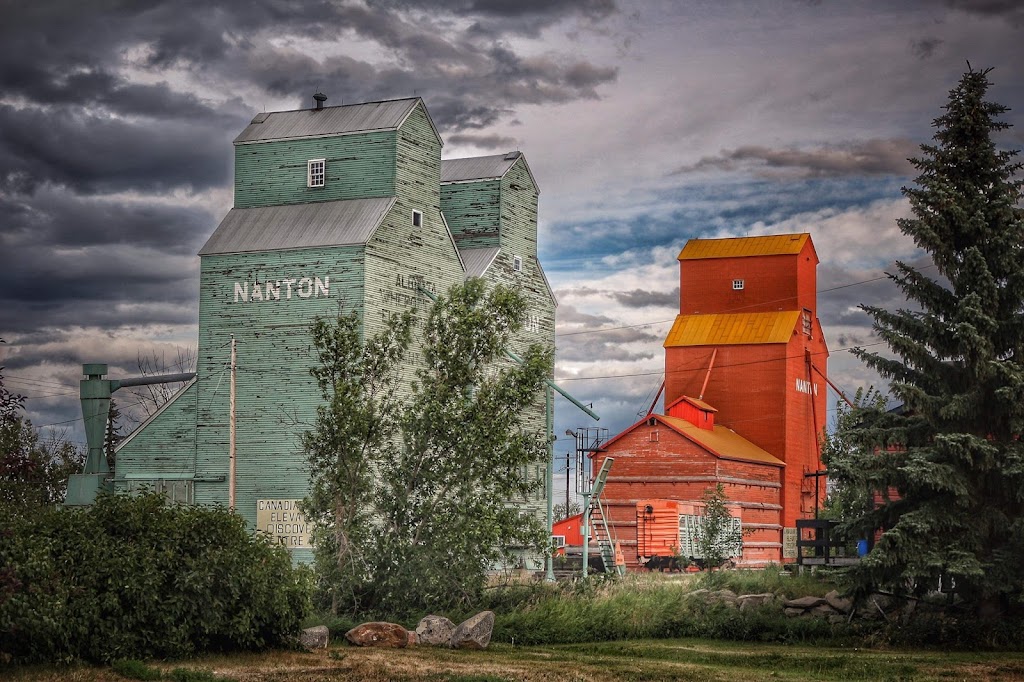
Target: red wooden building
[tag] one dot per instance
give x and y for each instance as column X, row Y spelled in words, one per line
column 747, row 341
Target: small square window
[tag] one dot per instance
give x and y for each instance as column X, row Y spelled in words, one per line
column 417, row 218
column 558, row 540
column 316, row 169
column 737, row 285
column 517, row 263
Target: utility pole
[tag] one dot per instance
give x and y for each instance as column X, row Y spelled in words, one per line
column 231, row 428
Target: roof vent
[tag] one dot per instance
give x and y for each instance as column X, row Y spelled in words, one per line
column 320, row 99
column 512, row 156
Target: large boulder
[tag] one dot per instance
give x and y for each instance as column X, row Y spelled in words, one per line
column 434, row 631
column 378, row 633
column 840, row 604
column 314, row 638
column 474, row 633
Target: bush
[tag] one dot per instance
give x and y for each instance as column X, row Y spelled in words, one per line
column 133, row 577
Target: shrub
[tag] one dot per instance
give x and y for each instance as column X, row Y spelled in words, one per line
column 133, row 577
column 135, row 670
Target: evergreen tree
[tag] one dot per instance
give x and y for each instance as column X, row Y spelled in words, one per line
column 949, row 466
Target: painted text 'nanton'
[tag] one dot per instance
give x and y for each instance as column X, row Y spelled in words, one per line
column 305, row 287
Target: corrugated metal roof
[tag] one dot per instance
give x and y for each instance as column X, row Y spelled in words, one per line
column 483, row 168
column 739, row 247
column 722, row 442
column 732, row 329
column 477, row 167
column 276, row 228
column 343, row 120
column 478, row 260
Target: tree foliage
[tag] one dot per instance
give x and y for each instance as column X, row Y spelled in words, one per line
column 33, row 470
column 427, row 486
column 355, row 430
column 949, row 466
column 564, row 510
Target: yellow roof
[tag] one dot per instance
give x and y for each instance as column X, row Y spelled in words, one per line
column 722, row 442
column 726, row 329
column 739, row 247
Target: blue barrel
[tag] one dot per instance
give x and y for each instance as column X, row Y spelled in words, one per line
column 862, row 547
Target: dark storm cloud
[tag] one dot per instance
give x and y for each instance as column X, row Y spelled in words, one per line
column 68, row 259
column 870, row 157
column 101, row 154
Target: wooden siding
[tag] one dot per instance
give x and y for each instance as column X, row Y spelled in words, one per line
column 473, row 211
column 167, row 446
column 276, row 396
column 658, row 463
column 274, row 173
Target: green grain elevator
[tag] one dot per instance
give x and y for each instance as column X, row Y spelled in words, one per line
column 337, row 209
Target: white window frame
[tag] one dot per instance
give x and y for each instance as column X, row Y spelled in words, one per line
column 417, row 218
column 558, row 540
column 316, row 172
column 517, row 263
column 738, row 284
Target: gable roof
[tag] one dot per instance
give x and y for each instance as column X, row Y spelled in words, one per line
column 726, row 329
column 739, row 247
column 297, row 226
column 699, row 404
column 475, row 168
column 721, row 442
column 348, row 119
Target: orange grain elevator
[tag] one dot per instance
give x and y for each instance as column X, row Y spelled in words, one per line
column 747, row 340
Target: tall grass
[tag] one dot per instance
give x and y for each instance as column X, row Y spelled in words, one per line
column 636, row 607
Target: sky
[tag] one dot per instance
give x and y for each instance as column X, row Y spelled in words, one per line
column 645, row 124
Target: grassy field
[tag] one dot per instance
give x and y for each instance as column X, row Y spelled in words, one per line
column 679, row 659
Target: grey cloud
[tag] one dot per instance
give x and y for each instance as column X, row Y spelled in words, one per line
column 1010, row 10
column 870, row 157
column 497, row 142
column 640, row 298
column 924, row 48
column 568, row 314
column 598, row 345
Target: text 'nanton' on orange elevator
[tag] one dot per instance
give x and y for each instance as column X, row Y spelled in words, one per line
column 747, row 356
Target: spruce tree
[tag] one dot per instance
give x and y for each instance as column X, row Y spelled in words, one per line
column 948, row 468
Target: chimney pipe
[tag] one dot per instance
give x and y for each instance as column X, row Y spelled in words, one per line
column 320, row 99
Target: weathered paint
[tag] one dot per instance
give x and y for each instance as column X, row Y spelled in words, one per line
column 276, row 396
column 274, row 172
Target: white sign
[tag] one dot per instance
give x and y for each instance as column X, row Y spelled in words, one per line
column 804, row 386
column 283, row 521
column 789, row 543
